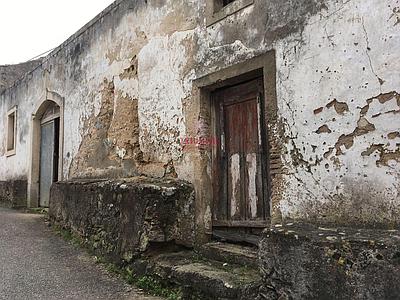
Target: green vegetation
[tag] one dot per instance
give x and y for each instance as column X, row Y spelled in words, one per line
column 38, row 211
column 149, row 284
column 69, row 236
column 157, row 288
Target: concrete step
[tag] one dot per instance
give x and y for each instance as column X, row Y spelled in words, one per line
column 231, row 253
column 206, row 279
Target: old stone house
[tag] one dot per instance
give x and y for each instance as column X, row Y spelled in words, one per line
column 264, row 122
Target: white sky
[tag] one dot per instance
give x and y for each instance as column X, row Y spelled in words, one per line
column 31, row 27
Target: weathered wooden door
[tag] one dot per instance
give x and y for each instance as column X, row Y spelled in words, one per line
column 49, row 142
column 240, row 179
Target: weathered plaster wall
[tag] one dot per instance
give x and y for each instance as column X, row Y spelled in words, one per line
column 16, row 167
column 127, row 81
column 338, row 96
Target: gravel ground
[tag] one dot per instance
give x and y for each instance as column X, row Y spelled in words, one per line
column 35, row 263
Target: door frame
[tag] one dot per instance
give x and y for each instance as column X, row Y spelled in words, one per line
column 34, row 167
column 256, row 86
column 199, row 113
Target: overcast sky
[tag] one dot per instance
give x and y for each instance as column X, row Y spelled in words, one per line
column 31, row 27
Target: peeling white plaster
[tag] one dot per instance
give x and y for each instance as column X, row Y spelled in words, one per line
column 235, row 180
column 251, row 160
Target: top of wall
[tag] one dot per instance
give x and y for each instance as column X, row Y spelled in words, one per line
column 54, row 53
column 11, row 73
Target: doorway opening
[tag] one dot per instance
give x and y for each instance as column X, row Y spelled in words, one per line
column 241, row 93
column 49, row 152
column 46, row 149
column 241, row 191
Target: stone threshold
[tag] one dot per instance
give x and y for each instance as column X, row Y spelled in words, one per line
column 202, row 277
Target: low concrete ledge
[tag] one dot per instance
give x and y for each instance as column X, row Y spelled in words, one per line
column 120, row 219
column 13, row 193
column 301, row 261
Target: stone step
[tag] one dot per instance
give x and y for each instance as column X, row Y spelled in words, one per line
column 231, row 253
column 206, row 279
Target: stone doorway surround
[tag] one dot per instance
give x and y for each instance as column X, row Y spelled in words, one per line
column 34, row 161
column 204, row 118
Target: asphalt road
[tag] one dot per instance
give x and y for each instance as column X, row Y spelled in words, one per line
column 35, row 263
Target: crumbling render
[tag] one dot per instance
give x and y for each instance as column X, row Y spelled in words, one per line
column 393, row 135
column 382, row 98
column 323, row 129
column 384, row 155
column 340, row 107
column 131, row 71
column 363, row 127
column 113, row 136
column 318, row 110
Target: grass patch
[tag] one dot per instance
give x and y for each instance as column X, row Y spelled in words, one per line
column 150, row 284
column 68, row 236
column 37, row 211
column 157, row 288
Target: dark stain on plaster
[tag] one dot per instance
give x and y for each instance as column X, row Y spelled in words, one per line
column 75, row 55
column 287, row 17
column 297, row 156
column 278, row 19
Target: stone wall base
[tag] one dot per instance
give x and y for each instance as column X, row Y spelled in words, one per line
column 121, row 219
column 13, row 193
column 301, row 261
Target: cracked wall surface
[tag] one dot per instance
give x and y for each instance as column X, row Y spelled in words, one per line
column 343, row 118
column 127, row 83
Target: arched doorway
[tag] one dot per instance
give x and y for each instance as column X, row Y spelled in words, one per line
column 47, row 148
column 49, row 152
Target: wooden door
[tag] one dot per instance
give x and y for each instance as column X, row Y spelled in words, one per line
column 240, row 179
column 46, row 162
